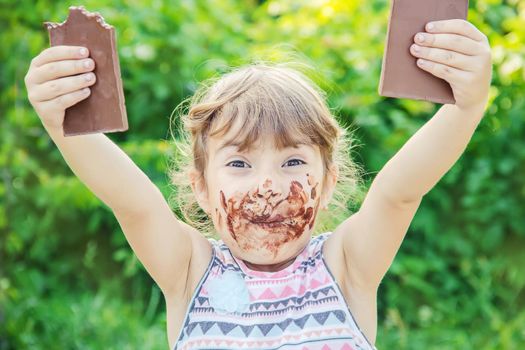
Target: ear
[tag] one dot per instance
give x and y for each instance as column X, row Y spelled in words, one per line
column 198, row 185
column 330, row 183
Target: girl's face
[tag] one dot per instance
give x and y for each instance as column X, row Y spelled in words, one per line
column 264, row 202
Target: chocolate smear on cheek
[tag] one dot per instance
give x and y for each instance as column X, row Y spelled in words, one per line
column 266, row 220
column 313, row 195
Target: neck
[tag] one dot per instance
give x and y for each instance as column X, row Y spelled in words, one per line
column 270, row 268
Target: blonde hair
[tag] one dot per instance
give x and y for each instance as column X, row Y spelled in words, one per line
column 273, row 99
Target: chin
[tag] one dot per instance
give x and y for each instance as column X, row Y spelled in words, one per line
column 263, row 248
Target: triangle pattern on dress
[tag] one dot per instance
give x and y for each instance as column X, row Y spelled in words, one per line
column 226, row 327
column 302, row 309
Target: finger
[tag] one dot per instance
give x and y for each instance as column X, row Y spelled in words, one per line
column 450, row 74
column 450, row 58
column 59, row 53
column 457, row 26
column 454, row 42
column 55, row 70
column 51, row 89
column 67, row 100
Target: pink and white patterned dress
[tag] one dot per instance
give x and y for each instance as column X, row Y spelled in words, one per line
column 300, row 307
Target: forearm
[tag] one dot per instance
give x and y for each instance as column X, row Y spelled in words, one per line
column 106, row 170
column 416, row 168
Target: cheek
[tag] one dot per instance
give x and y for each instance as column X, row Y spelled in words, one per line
column 313, row 185
column 218, row 219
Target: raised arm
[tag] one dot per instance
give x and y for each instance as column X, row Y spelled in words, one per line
column 395, row 194
column 160, row 241
column 107, row 171
column 372, row 236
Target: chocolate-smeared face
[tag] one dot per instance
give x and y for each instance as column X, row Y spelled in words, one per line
column 263, row 200
column 262, row 220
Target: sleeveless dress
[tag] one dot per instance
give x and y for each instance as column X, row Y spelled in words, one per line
column 300, row 307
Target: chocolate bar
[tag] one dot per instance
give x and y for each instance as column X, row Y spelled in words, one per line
column 104, row 110
column 401, row 77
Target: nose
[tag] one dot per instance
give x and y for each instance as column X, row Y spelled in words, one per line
column 265, row 198
column 268, row 188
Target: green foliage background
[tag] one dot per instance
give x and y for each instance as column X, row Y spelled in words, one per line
column 69, row 280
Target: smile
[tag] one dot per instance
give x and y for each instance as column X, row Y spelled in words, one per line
column 268, row 224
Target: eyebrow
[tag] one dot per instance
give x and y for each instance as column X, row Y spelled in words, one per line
column 228, row 144
column 231, row 143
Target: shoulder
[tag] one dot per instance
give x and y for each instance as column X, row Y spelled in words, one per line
column 203, row 251
column 317, row 242
column 219, row 250
column 326, row 246
column 322, row 241
column 206, row 251
column 331, row 246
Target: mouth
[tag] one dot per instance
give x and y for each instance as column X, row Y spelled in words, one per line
column 268, row 224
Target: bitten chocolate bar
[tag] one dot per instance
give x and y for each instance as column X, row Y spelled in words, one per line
column 104, row 110
column 401, row 77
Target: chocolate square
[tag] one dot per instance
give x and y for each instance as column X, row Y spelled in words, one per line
column 104, row 110
column 401, row 77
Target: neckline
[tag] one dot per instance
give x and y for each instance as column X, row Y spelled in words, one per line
column 273, row 274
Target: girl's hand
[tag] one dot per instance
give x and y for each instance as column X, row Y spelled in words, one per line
column 456, row 51
column 54, row 82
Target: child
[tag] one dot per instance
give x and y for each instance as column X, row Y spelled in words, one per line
column 265, row 157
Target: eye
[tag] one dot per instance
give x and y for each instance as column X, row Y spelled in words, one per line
column 240, row 163
column 291, row 160
column 237, row 162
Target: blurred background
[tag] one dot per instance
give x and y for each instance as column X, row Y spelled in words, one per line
column 69, row 279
